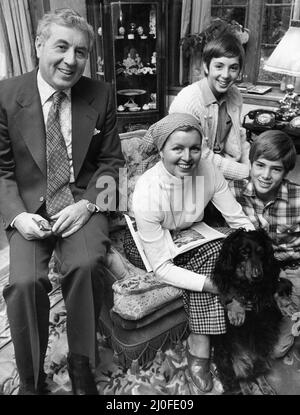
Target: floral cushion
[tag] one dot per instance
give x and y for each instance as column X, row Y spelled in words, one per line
column 138, row 293
column 137, row 159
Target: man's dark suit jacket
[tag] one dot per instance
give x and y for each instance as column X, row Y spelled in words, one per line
column 96, row 148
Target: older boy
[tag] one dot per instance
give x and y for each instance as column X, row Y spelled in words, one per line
column 273, row 203
column 216, row 103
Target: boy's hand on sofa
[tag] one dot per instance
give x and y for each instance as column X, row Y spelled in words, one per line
column 285, row 304
column 294, row 242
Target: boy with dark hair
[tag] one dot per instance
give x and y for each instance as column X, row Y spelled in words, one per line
column 216, row 103
column 272, row 202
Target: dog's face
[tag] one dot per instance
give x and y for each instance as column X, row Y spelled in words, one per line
column 250, row 254
column 246, row 259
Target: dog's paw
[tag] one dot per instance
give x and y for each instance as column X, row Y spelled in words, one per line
column 236, row 312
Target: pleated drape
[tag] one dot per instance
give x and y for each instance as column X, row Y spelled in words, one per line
column 195, row 17
column 16, row 38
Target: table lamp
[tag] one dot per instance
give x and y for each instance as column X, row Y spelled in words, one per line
column 285, row 58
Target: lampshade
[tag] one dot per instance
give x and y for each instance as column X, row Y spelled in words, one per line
column 285, row 58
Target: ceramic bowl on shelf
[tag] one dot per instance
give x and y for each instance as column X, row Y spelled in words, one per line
column 131, row 92
column 134, row 109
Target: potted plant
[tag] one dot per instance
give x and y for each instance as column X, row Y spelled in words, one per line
column 195, row 43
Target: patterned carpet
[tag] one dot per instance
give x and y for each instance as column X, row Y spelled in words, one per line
column 166, row 375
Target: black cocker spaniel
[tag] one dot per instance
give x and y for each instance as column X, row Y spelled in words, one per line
column 247, row 277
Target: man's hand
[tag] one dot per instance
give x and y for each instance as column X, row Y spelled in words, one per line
column 236, row 312
column 29, row 226
column 70, row 219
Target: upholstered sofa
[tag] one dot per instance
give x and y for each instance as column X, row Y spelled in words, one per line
column 140, row 315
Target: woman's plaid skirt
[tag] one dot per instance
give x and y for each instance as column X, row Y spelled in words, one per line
column 205, row 312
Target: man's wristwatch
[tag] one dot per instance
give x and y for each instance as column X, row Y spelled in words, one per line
column 92, row 208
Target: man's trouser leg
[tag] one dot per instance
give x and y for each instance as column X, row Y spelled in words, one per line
column 27, row 301
column 81, row 257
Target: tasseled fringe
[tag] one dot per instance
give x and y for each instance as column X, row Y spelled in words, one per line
column 139, row 355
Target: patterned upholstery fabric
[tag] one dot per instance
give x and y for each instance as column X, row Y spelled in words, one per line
column 135, row 153
column 137, row 293
column 140, row 295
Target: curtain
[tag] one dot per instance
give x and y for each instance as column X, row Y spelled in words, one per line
column 16, row 38
column 296, row 10
column 6, row 70
column 195, row 17
column 184, row 30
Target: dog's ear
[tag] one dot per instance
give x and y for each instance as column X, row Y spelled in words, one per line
column 224, row 270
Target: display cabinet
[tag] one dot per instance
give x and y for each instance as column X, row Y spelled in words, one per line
column 130, row 52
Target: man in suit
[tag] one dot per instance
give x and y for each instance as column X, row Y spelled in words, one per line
column 58, row 137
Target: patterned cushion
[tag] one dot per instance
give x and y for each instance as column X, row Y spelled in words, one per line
column 141, row 294
column 137, row 158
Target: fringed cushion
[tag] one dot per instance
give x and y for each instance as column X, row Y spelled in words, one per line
column 132, row 347
column 150, row 318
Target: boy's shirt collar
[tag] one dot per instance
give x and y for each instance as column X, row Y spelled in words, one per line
column 208, row 96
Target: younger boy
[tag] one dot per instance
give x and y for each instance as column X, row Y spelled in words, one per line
column 273, row 203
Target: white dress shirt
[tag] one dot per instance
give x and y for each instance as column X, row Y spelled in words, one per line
column 46, row 94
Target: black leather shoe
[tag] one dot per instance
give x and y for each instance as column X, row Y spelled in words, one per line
column 27, row 386
column 27, row 389
column 82, row 379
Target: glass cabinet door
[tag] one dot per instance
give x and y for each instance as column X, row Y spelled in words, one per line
column 95, row 18
column 130, row 53
column 135, row 55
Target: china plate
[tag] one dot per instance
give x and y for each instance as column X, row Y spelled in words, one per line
column 131, row 92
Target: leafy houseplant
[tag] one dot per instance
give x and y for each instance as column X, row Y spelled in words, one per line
column 195, row 43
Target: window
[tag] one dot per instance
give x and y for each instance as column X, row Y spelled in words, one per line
column 267, row 20
column 230, row 10
column 276, row 21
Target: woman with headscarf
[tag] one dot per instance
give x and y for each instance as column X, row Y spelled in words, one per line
column 171, row 196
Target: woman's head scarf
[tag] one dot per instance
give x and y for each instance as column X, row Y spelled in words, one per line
column 159, row 132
